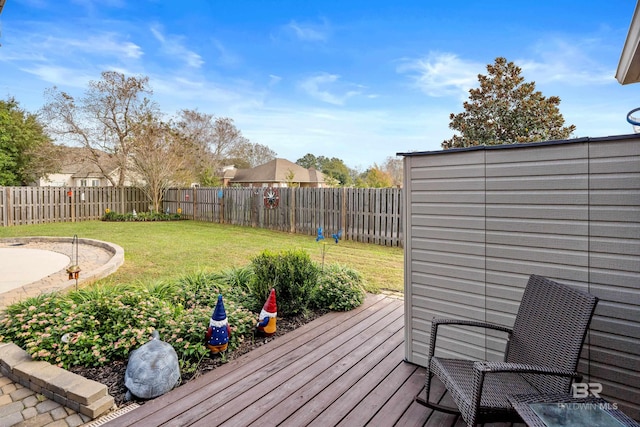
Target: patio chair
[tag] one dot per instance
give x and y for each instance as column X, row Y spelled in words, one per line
column 541, row 356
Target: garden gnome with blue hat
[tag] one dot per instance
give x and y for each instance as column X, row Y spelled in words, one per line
column 219, row 331
column 267, row 320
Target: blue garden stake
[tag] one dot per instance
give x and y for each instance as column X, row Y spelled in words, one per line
column 320, row 235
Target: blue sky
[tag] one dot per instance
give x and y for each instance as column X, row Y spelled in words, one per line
column 357, row 80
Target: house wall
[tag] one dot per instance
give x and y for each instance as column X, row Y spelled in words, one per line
column 480, row 221
column 55, row 180
column 67, row 180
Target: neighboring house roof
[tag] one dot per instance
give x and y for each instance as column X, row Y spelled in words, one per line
column 278, row 170
column 76, row 162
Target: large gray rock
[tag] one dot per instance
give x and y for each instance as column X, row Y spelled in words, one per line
column 152, row 369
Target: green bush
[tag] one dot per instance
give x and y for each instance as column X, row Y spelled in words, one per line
column 102, row 323
column 291, row 273
column 339, row 288
column 140, row 216
column 99, row 324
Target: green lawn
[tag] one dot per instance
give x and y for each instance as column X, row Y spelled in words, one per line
column 165, row 250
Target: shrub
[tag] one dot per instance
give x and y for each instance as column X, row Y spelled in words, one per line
column 291, row 273
column 96, row 325
column 140, row 216
column 339, row 288
column 101, row 323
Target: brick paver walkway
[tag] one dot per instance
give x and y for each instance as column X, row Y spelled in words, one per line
column 19, row 405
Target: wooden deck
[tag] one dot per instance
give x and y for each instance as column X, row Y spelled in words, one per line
column 344, row 369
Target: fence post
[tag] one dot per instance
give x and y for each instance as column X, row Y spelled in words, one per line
column 195, row 203
column 221, row 197
column 292, row 209
column 254, row 208
column 9, row 216
column 343, row 213
column 72, row 206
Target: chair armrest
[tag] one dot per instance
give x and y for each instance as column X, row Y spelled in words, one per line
column 435, row 322
column 480, row 369
column 439, row 321
column 487, row 367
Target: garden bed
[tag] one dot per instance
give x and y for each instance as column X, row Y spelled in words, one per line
column 92, row 331
column 111, row 216
column 112, row 374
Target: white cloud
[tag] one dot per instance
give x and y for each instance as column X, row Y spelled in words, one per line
column 274, row 80
column 108, row 44
column 442, row 74
column 574, row 62
column 51, row 46
column 225, row 57
column 60, row 76
column 174, row 47
column 308, row 31
column 315, row 86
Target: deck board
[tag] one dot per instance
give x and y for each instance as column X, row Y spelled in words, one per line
column 343, row 369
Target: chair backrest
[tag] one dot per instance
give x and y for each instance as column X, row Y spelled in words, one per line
column 550, row 329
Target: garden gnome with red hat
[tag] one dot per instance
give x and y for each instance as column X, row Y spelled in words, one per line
column 267, row 320
column 219, row 331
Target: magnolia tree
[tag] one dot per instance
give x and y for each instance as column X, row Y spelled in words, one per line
column 506, row 110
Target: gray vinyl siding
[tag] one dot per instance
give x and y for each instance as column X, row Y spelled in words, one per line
column 480, row 221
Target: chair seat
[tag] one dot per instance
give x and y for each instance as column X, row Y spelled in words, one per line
column 457, row 376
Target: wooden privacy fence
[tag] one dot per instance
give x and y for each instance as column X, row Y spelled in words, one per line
column 362, row 214
column 37, row 205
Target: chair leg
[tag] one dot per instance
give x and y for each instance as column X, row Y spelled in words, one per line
column 435, row 406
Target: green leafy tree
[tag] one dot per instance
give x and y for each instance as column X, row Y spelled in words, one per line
column 331, row 167
column 336, row 169
column 506, row 110
column 26, row 152
column 374, row 177
column 309, row 161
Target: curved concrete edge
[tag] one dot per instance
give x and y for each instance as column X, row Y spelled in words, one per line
column 116, row 260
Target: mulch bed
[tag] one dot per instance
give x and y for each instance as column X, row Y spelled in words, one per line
column 112, row 375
